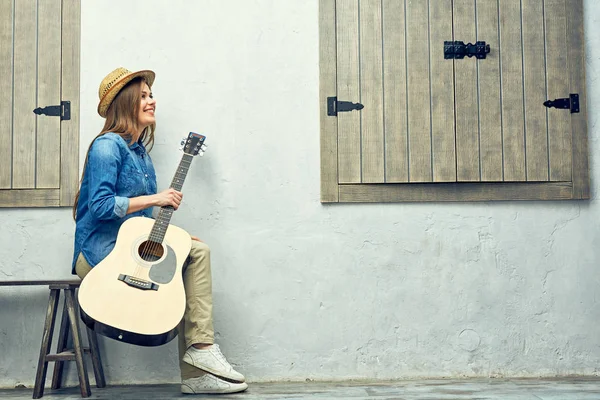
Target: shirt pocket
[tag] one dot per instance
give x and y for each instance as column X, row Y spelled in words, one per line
column 131, row 182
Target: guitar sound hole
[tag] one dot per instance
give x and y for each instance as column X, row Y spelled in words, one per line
column 151, row 251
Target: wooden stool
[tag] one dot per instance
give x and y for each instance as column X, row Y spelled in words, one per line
column 69, row 324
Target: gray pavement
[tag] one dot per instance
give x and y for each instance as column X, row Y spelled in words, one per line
column 439, row 389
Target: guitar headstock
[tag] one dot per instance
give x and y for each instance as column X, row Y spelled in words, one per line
column 194, row 144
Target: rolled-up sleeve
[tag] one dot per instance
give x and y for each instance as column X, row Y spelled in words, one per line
column 103, row 166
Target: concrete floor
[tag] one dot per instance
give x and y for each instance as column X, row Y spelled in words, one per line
column 451, row 389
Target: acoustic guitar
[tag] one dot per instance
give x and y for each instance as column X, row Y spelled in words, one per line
column 136, row 294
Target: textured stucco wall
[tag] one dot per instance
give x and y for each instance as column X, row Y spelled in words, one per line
column 303, row 290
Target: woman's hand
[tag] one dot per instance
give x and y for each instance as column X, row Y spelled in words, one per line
column 169, row 197
column 196, row 239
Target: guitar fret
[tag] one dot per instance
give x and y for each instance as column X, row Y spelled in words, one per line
column 163, row 218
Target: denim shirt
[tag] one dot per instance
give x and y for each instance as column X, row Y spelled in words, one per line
column 114, row 173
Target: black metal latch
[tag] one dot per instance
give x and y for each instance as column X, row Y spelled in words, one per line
column 571, row 103
column 334, row 106
column 458, row 49
column 63, row 111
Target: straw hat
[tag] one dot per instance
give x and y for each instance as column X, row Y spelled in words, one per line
column 114, row 82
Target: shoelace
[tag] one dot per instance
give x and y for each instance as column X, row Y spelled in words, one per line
column 219, row 355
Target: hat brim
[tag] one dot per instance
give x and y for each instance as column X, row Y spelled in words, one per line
column 110, row 95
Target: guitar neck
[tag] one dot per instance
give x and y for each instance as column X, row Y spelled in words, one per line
column 166, row 212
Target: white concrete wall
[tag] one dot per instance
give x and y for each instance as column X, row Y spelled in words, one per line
column 303, row 290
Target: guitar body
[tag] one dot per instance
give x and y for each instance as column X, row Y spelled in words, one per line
column 136, row 294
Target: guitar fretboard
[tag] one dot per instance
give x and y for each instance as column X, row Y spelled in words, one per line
column 157, row 234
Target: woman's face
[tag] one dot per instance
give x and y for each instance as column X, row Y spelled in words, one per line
column 147, row 107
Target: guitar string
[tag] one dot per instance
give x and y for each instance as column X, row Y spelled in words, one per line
column 152, row 249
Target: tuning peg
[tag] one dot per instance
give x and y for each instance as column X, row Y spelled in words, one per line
column 203, row 147
column 182, row 142
column 201, row 154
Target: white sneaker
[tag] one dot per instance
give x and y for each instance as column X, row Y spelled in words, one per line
column 210, row 384
column 213, row 361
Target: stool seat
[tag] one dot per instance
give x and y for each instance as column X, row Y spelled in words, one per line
column 69, row 326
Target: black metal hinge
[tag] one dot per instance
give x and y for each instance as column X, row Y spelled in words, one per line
column 458, row 50
column 572, row 103
column 334, row 106
column 63, row 111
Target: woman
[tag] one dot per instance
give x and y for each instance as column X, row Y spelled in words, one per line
column 119, row 182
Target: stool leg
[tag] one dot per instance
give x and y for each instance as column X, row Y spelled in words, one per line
column 96, row 360
column 84, row 383
column 63, row 337
column 94, row 352
column 40, row 377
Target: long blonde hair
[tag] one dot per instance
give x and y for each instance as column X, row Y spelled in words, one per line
column 122, row 119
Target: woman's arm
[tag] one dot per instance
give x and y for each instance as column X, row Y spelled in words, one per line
column 169, row 197
column 104, row 165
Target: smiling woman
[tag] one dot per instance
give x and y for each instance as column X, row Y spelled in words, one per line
column 117, row 184
column 147, row 107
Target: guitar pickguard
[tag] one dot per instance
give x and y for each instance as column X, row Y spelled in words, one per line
column 163, row 272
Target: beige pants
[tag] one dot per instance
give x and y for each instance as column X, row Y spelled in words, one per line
column 197, row 324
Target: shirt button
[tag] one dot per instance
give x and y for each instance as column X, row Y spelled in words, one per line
column 146, row 175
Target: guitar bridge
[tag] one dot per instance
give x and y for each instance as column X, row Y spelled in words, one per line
column 138, row 283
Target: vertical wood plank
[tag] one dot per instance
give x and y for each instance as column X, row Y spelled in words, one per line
column 534, row 75
column 69, row 146
column 490, row 116
column 511, row 61
column 443, row 128
column 327, row 88
column 6, row 92
column 576, row 56
column 348, row 89
column 465, row 83
column 419, row 111
column 371, row 89
column 559, row 127
column 24, row 124
column 394, row 91
column 49, row 79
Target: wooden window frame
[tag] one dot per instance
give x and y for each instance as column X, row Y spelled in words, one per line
column 69, row 138
column 334, row 192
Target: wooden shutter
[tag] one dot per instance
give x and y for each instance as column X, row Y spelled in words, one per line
column 39, row 67
column 452, row 129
